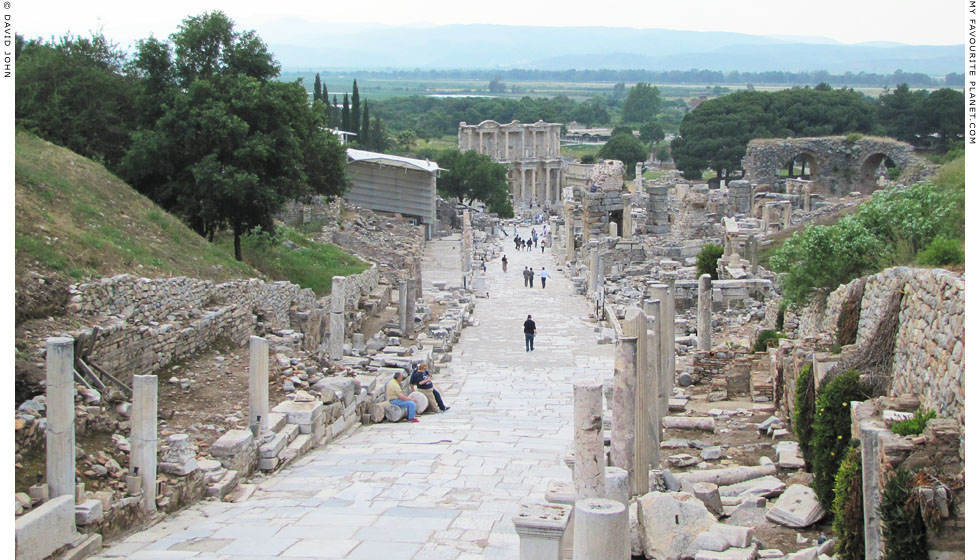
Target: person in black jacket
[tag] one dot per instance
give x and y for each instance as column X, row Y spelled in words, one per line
column 529, row 329
column 423, row 382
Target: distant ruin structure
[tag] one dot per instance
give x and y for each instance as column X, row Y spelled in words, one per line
column 532, row 151
column 834, row 165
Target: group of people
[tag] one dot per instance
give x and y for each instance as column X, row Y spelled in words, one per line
column 529, row 277
column 422, row 382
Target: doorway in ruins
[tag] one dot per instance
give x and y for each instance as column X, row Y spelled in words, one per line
column 801, row 166
column 616, row 216
column 875, row 166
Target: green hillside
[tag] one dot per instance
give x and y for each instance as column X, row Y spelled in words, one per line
column 76, row 221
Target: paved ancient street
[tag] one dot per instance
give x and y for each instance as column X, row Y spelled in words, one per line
column 444, row 488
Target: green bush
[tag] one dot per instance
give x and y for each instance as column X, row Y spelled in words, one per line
column 781, row 315
column 902, row 527
column 853, row 137
column 803, row 411
column 765, row 339
column 832, row 430
column 894, row 173
column 941, row 252
column 914, row 425
column 708, row 259
column 848, row 508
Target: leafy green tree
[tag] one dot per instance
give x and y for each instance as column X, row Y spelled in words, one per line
column 619, row 91
column 472, row 176
column 380, row 139
column 899, row 113
column 406, row 139
column 627, row 149
column 153, row 68
column 355, row 109
column 345, row 122
column 663, row 153
column 942, row 113
column 621, row 129
column 317, row 88
column 234, row 144
column 73, row 92
column 642, row 103
column 496, row 85
column 651, row 132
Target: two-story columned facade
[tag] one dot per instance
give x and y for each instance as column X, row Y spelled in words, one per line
column 533, row 152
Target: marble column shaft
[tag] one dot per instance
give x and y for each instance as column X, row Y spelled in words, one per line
column 402, row 305
column 258, row 382
column 666, row 319
column 589, row 473
column 143, row 437
column 338, row 291
column 60, row 432
column 623, row 442
column 654, row 412
column 602, row 530
column 635, row 324
column 704, row 312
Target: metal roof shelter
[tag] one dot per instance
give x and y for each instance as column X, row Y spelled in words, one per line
column 394, row 184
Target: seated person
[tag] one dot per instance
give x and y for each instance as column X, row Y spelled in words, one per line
column 394, row 395
column 423, row 382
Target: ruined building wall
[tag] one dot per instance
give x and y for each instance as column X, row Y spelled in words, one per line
column 929, row 346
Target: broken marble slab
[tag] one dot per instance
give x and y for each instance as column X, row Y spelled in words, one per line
column 797, row 507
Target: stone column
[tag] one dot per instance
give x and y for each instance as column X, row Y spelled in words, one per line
column 523, row 184
column 143, row 437
column 590, row 459
column 765, row 217
column 593, row 268
column 534, row 180
column 507, row 145
column 547, row 184
column 402, row 305
column 654, row 412
column 806, row 197
column 618, row 485
column 613, row 229
column 602, row 530
column 870, row 449
column 639, row 177
column 666, row 319
column 569, row 232
column 627, row 216
column 787, row 215
column 670, row 326
column 60, row 432
column 621, row 448
column 541, row 528
column 338, row 291
column 635, row 324
column 754, row 254
column 480, row 149
column 258, row 382
column 704, row 312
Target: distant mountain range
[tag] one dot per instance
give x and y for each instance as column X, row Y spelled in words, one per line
column 300, row 44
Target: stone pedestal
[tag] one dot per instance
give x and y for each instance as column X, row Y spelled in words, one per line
column 258, row 383
column 602, row 530
column 402, row 305
column 143, row 437
column 60, row 432
column 177, row 458
column 624, row 406
column 541, row 528
column 338, row 292
column 618, row 485
column 704, row 312
column 613, row 229
column 589, row 473
column 563, row 492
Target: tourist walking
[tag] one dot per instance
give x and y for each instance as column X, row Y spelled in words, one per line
column 503, row 262
column 529, row 330
column 544, row 276
column 525, row 276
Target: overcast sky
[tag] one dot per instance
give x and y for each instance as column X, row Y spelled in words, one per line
column 921, row 22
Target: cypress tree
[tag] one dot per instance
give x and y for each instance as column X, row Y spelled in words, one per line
column 333, row 113
column 328, row 109
column 317, row 89
column 345, row 116
column 355, row 110
column 365, row 139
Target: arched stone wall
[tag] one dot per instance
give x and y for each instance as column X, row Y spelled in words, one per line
column 838, row 166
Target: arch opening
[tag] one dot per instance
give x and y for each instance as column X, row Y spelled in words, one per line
column 874, row 167
column 801, row 166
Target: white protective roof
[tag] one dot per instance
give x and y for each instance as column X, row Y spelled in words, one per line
column 395, row 161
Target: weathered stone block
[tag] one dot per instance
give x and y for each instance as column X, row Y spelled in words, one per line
column 40, row 532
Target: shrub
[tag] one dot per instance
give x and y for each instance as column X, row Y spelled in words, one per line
column 902, row 527
column 848, row 508
column 708, row 259
column 766, row 339
column 853, row 137
column 914, row 425
column 781, row 315
column 941, row 252
column 803, row 411
column 832, row 429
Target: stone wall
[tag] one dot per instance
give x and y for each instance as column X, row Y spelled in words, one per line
column 145, row 324
column 296, row 213
column 929, row 345
column 836, row 165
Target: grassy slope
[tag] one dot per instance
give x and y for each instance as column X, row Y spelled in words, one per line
column 75, row 219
